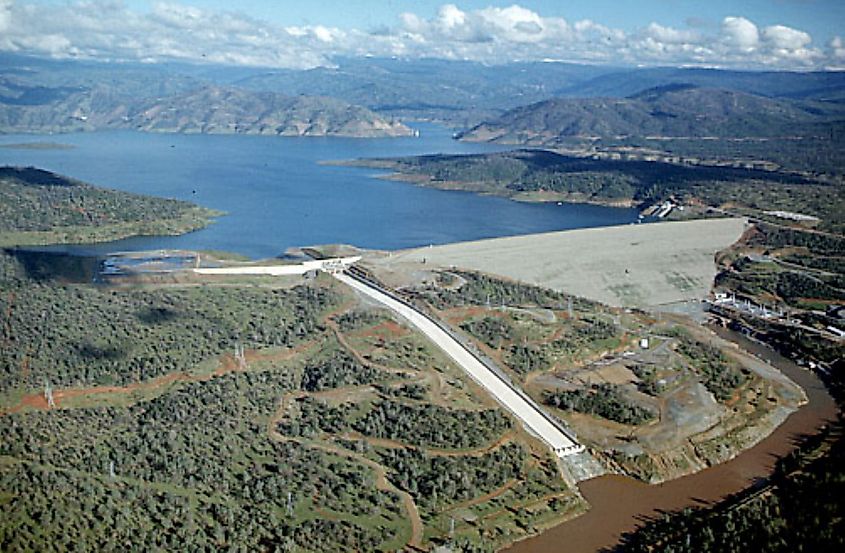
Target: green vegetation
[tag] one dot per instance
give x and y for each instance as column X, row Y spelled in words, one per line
column 432, row 425
column 356, row 320
column 436, row 481
column 76, row 335
column 604, row 400
column 770, row 280
column 585, row 333
column 192, row 468
column 527, row 358
column 423, row 425
column 338, row 370
column 801, row 268
column 800, row 509
column 771, row 236
column 526, row 344
column 723, row 126
column 829, row 264
column 480, row 289
column 801, row 273
column 240, row 455
column 538, row 174
column 493, row 331
column 811, row 155
column 676, row 110
column 648, row 382
column 720, row 375
column 314, row 417
column 39, row 207
column 408, row 391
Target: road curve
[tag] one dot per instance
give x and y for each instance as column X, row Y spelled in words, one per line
column 535, row 420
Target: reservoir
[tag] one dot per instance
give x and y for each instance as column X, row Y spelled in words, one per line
column 277, row 194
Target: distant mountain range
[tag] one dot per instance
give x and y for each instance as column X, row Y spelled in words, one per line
column 816, row 85
column 209, row 109
column 671, row 111
column 554, row 98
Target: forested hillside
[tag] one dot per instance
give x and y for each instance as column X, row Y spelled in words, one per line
column 40, row 207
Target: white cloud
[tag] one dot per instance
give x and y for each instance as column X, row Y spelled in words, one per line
column 837, row 48
column 109, row 29
column 450, row 17
column 669, row 35
column 786, row 38
column 5, row 14
column 515, row 24
column 740, row 33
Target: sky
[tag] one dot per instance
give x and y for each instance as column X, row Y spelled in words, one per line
column 758, row 34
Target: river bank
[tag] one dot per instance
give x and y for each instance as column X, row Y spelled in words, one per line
column 619, row 504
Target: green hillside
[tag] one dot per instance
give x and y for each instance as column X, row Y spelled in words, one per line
column 40, row 207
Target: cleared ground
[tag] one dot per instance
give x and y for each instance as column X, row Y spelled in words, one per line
column 630, row 266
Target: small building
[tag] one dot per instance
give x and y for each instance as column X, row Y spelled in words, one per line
column 644, row 343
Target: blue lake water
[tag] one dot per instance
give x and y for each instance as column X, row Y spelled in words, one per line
column 277, row 195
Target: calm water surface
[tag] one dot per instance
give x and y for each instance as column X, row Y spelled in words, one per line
column 277, row 195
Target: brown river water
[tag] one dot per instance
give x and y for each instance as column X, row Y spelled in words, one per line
column 618, row 504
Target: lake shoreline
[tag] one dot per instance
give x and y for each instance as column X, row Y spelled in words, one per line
column 427, row 181
column 278, row 192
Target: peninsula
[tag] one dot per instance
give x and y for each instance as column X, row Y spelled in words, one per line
column 40, row 207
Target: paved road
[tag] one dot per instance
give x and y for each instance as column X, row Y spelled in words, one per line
column 532, row 417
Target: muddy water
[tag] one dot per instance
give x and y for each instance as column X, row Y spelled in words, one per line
column 619, row 504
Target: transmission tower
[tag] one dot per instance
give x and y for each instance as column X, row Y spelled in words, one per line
column 240, row 356
column 48, row 395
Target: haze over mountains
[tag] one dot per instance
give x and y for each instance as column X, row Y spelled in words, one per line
column 363, row 96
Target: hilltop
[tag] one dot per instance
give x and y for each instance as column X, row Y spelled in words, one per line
column 671, row 111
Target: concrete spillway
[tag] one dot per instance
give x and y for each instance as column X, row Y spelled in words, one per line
column 534, row 419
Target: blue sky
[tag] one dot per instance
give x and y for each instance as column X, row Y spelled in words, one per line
column 823, row 19
column 778, row 34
